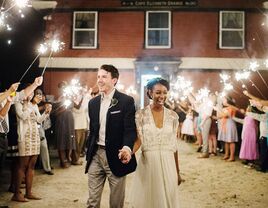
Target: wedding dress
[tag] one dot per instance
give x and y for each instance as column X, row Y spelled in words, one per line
column 155, row 182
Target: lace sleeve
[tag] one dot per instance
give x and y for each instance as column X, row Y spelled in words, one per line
column 139, row 121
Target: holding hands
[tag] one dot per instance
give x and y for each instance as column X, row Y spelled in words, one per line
column 124, row 155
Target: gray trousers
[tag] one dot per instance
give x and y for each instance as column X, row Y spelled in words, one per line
column 98, row 172
column 44, row 154
column 205, row 134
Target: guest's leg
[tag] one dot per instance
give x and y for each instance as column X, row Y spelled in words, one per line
column 82, row 141
column 214, row 141
column 20, row 174
column 232, row 151
column 13, row 173
column 263, row 153
column 210, row 144
column 29, row 178
column 226, row 151
column 45, row 155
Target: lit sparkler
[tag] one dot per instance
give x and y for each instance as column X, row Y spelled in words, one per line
column 55, row 46
column 253, row 66
column 41, row 50
column 202, row 94
column 71, row 92
column 224, row 77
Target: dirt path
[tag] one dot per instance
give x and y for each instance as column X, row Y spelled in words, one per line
column 208, row 183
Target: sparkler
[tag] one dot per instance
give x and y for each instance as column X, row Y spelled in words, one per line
column 252, row 83
column 41, row 50
column 253, row 66
column 19, row 3
column 71, row 92
column 240, row 76
column 202, row 94
column 55, row 46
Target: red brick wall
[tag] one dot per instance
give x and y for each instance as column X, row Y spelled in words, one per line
column 121, row 34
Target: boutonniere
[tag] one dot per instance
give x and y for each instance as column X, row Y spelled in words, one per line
column 114, row 102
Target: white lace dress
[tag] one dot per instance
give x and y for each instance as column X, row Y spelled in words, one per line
column 155, row 182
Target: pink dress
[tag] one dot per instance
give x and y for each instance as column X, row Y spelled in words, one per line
column 249, row 149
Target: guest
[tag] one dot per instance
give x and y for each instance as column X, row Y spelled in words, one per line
column 248, row 150
column 64, row 130
column 28, row 144
column 228, row 131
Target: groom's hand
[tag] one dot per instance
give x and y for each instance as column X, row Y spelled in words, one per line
column 124, row 155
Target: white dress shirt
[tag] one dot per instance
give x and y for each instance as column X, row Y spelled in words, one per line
column 105, row 103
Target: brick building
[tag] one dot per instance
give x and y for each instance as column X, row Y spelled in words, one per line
column 197, row 39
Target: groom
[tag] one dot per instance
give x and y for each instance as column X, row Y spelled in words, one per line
column 111, row 139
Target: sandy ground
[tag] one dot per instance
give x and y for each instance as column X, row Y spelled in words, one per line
column 208, row 183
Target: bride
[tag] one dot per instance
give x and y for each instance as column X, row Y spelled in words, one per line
column 156, row 180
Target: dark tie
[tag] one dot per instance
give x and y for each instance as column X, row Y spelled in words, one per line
column 4, row 126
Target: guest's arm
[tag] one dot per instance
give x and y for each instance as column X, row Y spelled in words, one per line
column 8, row 92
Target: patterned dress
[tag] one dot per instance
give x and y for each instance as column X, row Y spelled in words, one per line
column 28, row 135
column 155, row 182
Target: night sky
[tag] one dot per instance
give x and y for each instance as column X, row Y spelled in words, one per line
column 26, row 35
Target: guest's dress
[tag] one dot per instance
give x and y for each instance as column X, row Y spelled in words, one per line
column 228, row 130
column 249, row 149
column 28, row 135
column 188, row 126
column 155, row 182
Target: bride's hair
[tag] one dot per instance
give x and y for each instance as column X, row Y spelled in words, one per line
column 152, row 82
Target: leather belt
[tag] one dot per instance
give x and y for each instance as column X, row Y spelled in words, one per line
column 101, row 147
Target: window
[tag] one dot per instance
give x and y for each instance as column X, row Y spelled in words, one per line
column 85, row 30
column 158, row 29
column 232, row 30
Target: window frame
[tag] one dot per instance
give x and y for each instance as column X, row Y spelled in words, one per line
column 221, row 29
column 85, row 29
column 147, row 31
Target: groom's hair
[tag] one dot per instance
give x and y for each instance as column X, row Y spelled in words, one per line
column 110, row 68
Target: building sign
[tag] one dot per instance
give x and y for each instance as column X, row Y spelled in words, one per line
column 158, row 3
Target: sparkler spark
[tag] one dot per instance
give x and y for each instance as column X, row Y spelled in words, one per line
column 224, row 77
column 242, row 75
column 21, row 3
column 228, row 86
column 253, row 65
column 56, row 45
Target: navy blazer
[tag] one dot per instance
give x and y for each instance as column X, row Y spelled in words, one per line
column 120, row 131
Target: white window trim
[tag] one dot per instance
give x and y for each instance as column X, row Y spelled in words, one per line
column 147, row 29
column 229, row 29
column 83, row 29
